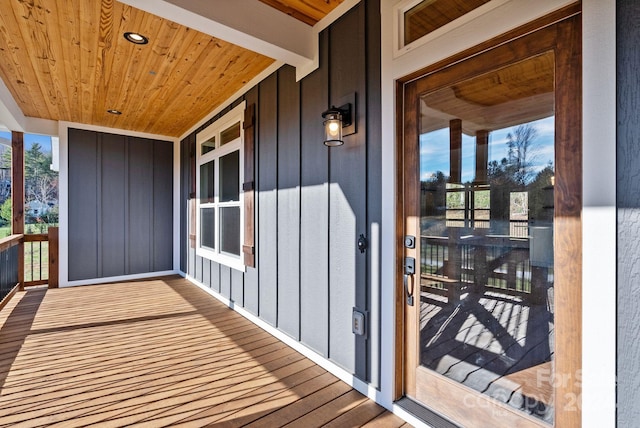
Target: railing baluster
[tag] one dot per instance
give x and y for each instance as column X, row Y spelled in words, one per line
column 36, row 267
column 31, row 271
column 40, row 260
column 8, row 265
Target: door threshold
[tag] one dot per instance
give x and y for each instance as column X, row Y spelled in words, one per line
column 426, row 415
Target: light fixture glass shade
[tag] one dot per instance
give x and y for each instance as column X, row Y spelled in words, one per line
column 333, row 129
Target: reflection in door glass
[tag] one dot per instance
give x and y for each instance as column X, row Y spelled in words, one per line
column 486, row 226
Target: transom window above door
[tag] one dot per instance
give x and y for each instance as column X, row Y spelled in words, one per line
column 417, row 19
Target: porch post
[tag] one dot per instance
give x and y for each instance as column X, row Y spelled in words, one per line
column 17, row 197
column 455, row 137
column 53, row 238
column 482, row 157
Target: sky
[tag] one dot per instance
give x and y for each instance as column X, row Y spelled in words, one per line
column 434, row 149
column 31, row 139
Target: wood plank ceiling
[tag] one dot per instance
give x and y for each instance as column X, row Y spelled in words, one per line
column 519, row 93
column 307, row 11
column 67, row 60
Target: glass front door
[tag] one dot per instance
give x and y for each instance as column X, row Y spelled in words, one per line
column 486, row 234
column 480, row 281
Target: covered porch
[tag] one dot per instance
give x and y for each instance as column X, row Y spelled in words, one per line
column 159, row 352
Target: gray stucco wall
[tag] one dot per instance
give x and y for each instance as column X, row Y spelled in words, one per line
column 628, row 203
column 120, row 205
column 312, row 202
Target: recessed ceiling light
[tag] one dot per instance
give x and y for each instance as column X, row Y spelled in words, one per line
column 136, row 38
column 114, row 111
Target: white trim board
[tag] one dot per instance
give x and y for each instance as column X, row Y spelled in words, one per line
column 120, row 278
column 599, row 223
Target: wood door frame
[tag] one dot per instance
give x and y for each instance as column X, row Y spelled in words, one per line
column 560, row 31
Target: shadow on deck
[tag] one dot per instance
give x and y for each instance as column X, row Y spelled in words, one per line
column 157, row 353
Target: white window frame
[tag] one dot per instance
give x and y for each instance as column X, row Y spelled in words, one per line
column 234, row 116
column 399, row 10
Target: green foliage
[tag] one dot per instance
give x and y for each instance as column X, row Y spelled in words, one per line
column 51, row 217
column 41, row 189
column 5, row 158
column 37, row 162
column 482, row 199
column 5, row 173
column 41, row 183
column 5, row 212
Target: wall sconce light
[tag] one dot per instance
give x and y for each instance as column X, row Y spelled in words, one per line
column 338, row 122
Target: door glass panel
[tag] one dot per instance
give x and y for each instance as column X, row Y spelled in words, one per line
column 486, row 234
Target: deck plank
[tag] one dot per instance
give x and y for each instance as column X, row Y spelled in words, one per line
column 159, row 352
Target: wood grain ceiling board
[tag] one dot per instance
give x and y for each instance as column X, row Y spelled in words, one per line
column 517, row 81
column 68, row 60
column 519, row 93
column 307, row 11
column 430, row 15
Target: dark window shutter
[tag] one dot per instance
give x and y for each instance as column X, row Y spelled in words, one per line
column 192, row 192
column 248, row 248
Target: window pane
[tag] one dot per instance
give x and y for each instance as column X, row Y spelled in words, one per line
column 230, row 177
column 487, row 268
column 430, row 15
column 519, row 214
column 230, row 230
column 230, row 134
column 208, row 145
column 482, row 199
column 207, row 228
column 206, row 182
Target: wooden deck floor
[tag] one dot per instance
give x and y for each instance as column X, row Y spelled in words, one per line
column 497, row 344
column 159, row 353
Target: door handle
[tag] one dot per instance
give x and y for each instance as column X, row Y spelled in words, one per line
column 407, row 292
column 409, row 271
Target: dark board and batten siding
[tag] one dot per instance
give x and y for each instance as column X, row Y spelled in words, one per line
column 628, row 204
column 120, row 205
column 267, row 203
column 347, row 192
column 312, row 202
column 314, row 214
column 288, row 206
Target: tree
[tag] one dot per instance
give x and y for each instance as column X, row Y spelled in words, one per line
column 516, row 170
column 5, row 212
column 501, row 173
column 521, row 155
column 5, row 173
column 541, row 194
column 41, row 183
